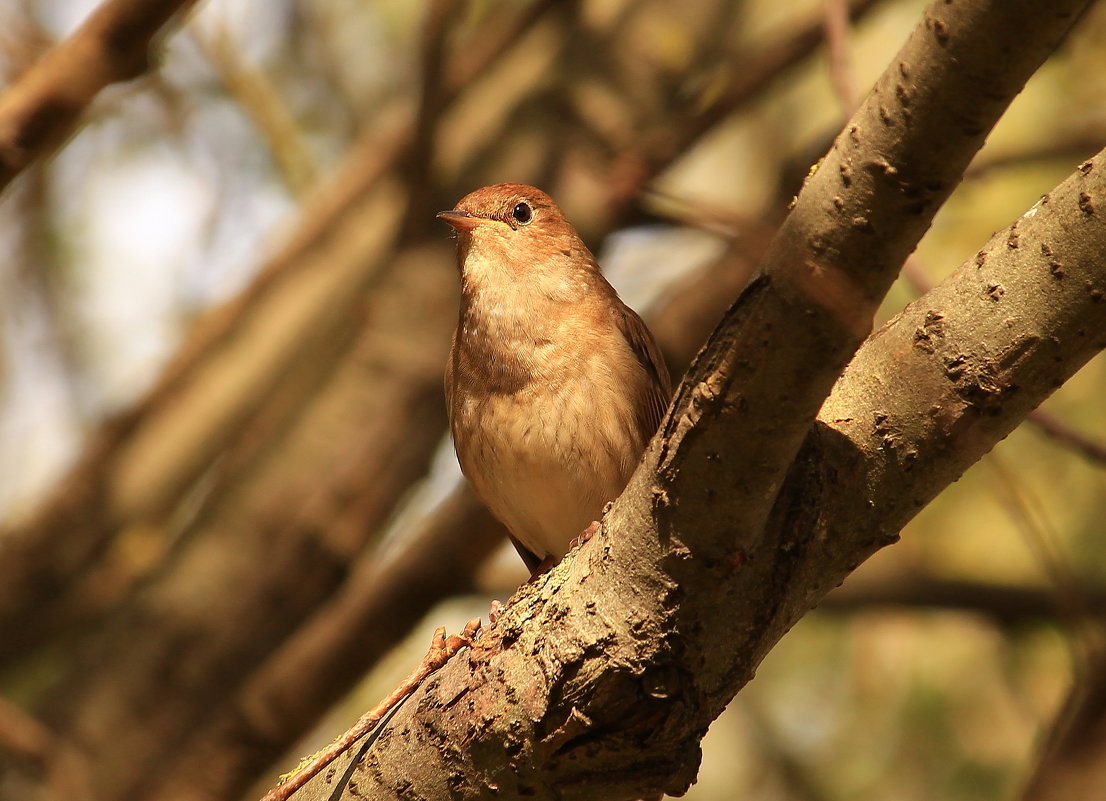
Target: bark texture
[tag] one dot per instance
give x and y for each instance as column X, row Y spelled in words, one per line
column 597, row 684
column 264, row 463
column 279, row 441
column 599, row 681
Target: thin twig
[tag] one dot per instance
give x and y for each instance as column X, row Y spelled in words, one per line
column 442, row 648
column 1040, row 536
column 1057, row 429
column 1070, row 148
column 261, row 102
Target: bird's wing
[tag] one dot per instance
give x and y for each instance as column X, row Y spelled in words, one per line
column 641, row 342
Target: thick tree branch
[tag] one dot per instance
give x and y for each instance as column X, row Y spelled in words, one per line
column 860, row 477
column 835, row 256
column 598, row 682
column 42, row 108
column 978, row 352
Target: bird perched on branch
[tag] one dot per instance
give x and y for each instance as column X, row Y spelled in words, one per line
column 554, row 386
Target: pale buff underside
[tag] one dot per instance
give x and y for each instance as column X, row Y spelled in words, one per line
column 523, row 453
column 526, row 461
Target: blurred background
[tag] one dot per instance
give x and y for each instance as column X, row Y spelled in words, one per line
column 228, row 517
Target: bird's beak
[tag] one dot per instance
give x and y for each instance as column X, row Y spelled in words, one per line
column 463, row 220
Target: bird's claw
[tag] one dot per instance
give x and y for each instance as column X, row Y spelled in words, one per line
column 585, row 535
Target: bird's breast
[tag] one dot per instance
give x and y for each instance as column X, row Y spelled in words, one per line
column 547, row 434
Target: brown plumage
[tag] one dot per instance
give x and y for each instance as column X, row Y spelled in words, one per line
column 554, row 386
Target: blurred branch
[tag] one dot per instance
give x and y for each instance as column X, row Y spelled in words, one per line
column 1071, row 149
column 433, row 97
column 23, row 41
column 42, row 108
column 387, row 592
column 621, row 656
column 35, row 749
column 745, row 79
column 1073, row 760
column 1040, row 538
column 138, row 466
column 1007, row 605
column 1090, row 447
column 316, row 474
column 37, row 266
column 260, row 101
column 22, row 736
column 501, row 34
column 837, row 46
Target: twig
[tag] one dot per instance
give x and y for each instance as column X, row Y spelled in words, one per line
column 442, row 648
column 1005, row 604
column 1070, row 148
column 257, row 96
column 1049, row 424
column 1040, row 538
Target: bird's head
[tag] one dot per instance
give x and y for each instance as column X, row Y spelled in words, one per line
column 515, row 231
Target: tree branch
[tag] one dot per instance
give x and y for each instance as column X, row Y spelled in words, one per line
column 40, row 111
column 624, row 694
column 599, row 681
column 1005, row 604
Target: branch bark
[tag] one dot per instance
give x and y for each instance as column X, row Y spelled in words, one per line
column 622, row 676
column 599, row 681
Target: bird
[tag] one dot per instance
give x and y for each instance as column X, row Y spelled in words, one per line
column 553, row 385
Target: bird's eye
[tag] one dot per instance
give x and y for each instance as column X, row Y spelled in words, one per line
column 522, row 213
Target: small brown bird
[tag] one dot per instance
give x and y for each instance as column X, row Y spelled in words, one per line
column 554, row 386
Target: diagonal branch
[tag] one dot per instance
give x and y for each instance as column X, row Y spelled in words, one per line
column 624, row 665
column 42, row 108
column 599, row 681
column 856, row 220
